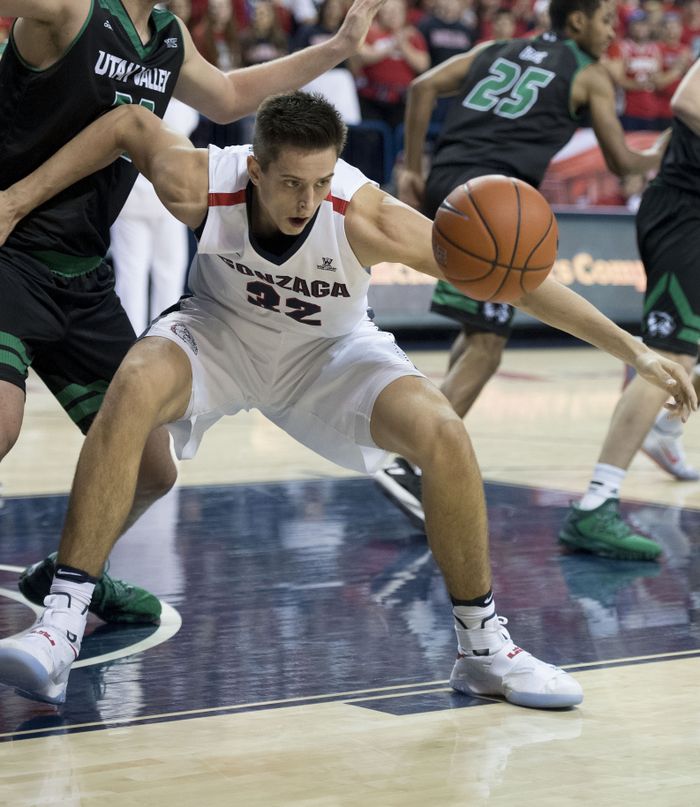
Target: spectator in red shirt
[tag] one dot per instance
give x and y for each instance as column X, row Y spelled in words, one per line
column 634, row 64
column 394, row 53
column 676, row 60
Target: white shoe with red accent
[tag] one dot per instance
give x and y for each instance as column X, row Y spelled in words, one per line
column 37, row 662
column 490, row 664
column 666, row 450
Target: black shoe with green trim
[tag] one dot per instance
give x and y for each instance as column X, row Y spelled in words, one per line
column 603, row 531
column 112, row 601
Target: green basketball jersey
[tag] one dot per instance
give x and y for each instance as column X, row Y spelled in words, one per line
column 40, row 110
column 513, row 109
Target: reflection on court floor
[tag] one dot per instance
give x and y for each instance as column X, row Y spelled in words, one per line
column 318, row 591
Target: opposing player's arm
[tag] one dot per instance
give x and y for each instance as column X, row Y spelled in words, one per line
column 443, row 80
column 224, row 97
column 686, row 99
column 598, row 91
column 179, row 172
column 381, row 228
column 562, row 308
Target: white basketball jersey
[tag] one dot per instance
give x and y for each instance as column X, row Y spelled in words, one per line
column 318, row 287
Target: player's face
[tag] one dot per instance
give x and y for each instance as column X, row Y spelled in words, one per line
column 599, row 32
column 289, row 191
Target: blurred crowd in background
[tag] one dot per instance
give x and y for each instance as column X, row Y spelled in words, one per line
column 657, row 41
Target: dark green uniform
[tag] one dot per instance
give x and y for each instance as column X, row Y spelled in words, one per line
column 668, row 236
column 58, row 309
column 511, row 116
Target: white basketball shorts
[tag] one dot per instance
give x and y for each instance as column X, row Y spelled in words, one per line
column 321, row 391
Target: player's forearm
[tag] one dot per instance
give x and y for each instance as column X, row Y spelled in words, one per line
column 555, row 305
column 251, row 85
column 419, row 108
column 93, row 149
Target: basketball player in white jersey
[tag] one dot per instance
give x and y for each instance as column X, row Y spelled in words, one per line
column 277, row 321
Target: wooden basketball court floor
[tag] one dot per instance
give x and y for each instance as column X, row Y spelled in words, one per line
column 306, row 642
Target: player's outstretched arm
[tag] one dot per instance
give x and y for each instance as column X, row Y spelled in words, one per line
column 381, row 228
column 441, row 81
column 562, row 308
column 177, row 170
column 224, row 97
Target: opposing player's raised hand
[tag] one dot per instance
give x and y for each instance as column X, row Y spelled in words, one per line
column 410, row 188
column 357, row 22
column 671, row 377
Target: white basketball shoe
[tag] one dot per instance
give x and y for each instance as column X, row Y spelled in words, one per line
column 490, row 664
column 37, row 662
column 666, row 450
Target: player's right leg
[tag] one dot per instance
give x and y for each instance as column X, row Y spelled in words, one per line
column 411, row 417
column 151, row 388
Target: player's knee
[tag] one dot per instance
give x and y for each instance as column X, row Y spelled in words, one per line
column 156, row 479
column 158, row 471
column 443, row 439
column 135, row 388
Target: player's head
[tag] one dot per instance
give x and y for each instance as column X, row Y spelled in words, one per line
column 298, row 139
column 588, row 22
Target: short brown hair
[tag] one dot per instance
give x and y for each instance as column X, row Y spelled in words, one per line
column 301, row 120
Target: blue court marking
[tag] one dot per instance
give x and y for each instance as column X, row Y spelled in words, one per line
column 304, row 592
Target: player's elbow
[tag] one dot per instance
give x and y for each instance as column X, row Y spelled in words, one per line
column 132, row 123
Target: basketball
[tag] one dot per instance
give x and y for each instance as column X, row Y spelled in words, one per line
column 495, row 238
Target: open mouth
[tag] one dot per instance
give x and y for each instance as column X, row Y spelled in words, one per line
column 298, row 221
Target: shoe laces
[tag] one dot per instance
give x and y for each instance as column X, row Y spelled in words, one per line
column 614, row 522
column 110, row 588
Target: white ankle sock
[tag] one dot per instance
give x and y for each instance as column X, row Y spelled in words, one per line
column 80, row 593
column 605, row 484
column 471, row 619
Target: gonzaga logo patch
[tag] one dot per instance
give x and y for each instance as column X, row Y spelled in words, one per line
column 182, row 332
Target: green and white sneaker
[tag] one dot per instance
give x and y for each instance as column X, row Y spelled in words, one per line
column 112, row 601
column 603, row 531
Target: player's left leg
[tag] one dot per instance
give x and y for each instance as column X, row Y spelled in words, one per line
column 411, row 417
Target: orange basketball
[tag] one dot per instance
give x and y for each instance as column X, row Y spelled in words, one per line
column 495, row 238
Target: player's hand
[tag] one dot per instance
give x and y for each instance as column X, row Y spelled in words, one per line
column 671, row 377
column 357, row 21
column 410, row 187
